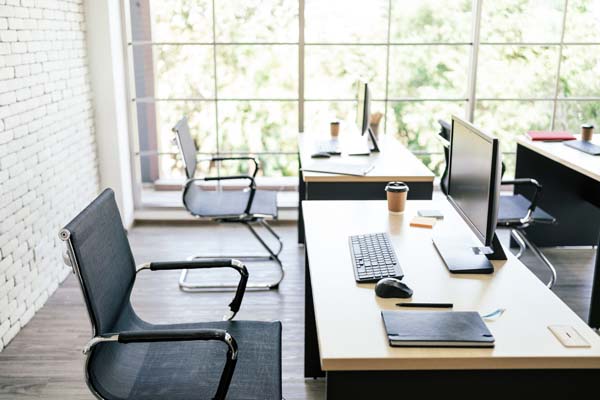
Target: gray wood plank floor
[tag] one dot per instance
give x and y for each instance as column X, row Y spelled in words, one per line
column 45, row 361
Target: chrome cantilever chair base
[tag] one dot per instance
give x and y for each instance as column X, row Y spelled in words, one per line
column 517, row 238
column 521, row 238
column 273, row 256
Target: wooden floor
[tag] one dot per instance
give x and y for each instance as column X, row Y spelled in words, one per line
column 45, row 361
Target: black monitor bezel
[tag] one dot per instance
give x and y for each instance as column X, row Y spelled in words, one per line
column 494, row 192
column 365, row 123
column 366, row 110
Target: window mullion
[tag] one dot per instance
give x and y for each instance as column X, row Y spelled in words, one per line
column 558, row 66
column 473, row 64
column 301, row 65
column 214, row 46
column 387, row 67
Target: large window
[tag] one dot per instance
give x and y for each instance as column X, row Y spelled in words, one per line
column 250, row 74
column 535, row 67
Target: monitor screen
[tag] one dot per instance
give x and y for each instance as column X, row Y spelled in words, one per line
column 474, row 177
column 362, row 111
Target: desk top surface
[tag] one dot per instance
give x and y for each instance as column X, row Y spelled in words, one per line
column 393, row 162
column 350, row 330
column 579, row 161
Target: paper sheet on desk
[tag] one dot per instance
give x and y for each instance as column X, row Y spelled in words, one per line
column 340, row 168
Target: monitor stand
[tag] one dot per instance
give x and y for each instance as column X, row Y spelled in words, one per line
column 364, row 147
column 463, row 259
column 374, row 147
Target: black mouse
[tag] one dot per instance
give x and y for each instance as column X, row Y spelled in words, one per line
column 321, row 154
column 392, row 287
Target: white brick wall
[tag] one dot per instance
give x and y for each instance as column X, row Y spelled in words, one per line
column 48, row 164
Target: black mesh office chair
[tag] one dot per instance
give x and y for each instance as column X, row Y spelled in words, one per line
column 515, row 212
column 247, row 207
column 128, row 358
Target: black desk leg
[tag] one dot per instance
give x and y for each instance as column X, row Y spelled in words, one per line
column 594, row 318
column 301, row 196
column 312, row 359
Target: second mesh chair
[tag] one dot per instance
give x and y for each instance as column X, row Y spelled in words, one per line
column 248, row 207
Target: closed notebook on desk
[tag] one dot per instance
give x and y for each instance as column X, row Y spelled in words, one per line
column 436, row 329
column 550, row 136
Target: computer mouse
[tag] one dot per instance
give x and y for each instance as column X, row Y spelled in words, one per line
column 321, row 154
column 392, row 287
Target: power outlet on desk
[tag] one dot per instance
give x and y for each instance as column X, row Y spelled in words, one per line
column 568, row 336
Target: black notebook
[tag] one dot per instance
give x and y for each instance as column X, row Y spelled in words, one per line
column 436, row 329
column 586, row 147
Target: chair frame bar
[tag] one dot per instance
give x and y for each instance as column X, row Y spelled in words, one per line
column 517, row 228
column 538, row 253
column 273, row 256
column 71, row 261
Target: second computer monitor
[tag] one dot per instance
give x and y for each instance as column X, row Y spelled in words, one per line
column 473, row 190
column 363, row 111
column 363, row 115
column 474, row 178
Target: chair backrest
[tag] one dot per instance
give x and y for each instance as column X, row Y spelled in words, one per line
column 187, row 147
column 445, row 133
column 103, row 260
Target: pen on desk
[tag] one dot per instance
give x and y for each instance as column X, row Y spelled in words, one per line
column 426, row 305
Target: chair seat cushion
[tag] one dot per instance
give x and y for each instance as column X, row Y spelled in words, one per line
column 204, row 203
column 192, row 369
column 514, row 207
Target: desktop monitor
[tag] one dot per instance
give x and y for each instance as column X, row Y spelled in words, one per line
column 473, row 190
column 363, row 113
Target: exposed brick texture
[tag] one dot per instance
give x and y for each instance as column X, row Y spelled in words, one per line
column 48, row 163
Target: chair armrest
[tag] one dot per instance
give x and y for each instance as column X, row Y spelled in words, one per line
column 251, row 186
column 236, row 303
column 239, row 158
column 443, row 141
column 536, row 195
column 224, row 178
column 163, row 335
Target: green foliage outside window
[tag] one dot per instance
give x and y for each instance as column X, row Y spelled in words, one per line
column 426, row 82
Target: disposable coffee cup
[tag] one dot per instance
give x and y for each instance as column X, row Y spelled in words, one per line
column 587, row 130
column 334, row 128
column 396, row 196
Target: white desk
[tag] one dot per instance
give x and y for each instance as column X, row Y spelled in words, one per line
column 393, row 163
column 345, row 336
column 569, row 157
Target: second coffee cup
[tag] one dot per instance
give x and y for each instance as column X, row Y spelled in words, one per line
column 396, row 196
column 334, row 129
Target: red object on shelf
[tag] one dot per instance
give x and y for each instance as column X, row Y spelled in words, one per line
column 550, row 136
